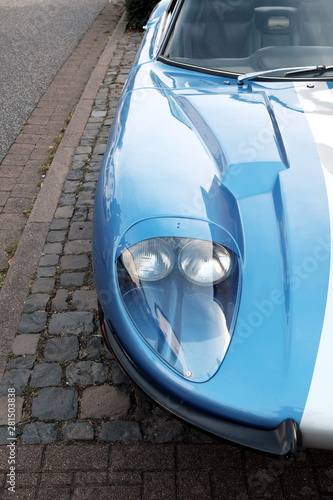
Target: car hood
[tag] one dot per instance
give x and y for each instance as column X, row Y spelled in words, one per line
column 247, row 160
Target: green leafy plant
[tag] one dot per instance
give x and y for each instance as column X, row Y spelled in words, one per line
column 138, row 12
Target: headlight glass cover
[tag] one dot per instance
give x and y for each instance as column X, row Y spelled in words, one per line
column 182, row 295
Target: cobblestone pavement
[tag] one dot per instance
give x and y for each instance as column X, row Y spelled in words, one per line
column 83, row 429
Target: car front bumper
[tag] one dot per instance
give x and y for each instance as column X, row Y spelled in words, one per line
column 284, row 441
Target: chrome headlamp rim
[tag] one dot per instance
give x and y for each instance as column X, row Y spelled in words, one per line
column 131, row 257
column 198, row 244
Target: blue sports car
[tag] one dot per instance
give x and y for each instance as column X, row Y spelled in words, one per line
column 212, row 245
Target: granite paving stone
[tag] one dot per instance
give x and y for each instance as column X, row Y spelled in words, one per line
column 32, row 323
column 80, row 214
column 143, row 406
column 86, row 373
column 84, row 299
column 71, row 262
column 85, row 199
column 163, row 432
column 71, row 186
column 118, row 375
column 72, row 279
column 36, row 302
column 74, row 175
column 78, row 164
column 89, row 186
column 92, row 176
column 100, row 149
column 120, row 430
column 104, row 402
column 46, row 374
column 90, row 214
column 98, row 114
column 64, row 212
column 55, row 403
column 78, row 431
column 77, row 247
column 46, row 272
column 83, row 150
column 25, row 344
column 59, row 301
column 49, row 260
column 43, row 285
column 80, row 231
column 81, row 157
column 17, row 379
column 62, row 349
column 95, row 348
column 67, row 199
column 52, row 248
column 56, row 236
column 40, row 433
column 26, row 362
column 71, row 322
column 59, row 224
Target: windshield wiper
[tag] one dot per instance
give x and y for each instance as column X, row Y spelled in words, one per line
column 320, row 69
column 286, row 72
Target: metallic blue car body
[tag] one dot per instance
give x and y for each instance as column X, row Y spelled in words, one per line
column 195, row 155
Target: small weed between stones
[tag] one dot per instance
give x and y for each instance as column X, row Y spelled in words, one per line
column 29, row 391
column 3, row 272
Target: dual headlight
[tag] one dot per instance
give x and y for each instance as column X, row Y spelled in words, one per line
column 201, row 262
column 181, row 295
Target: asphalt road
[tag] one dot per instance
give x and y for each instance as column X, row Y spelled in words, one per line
column 36, row 38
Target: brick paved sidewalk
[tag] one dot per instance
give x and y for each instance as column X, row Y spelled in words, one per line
column 83, row 429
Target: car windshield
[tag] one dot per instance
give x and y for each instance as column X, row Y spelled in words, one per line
column 244, row 36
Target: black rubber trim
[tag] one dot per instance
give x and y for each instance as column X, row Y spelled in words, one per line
column 285, row 440
column 227, row 74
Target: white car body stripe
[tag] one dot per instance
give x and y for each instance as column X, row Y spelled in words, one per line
column 317, row 421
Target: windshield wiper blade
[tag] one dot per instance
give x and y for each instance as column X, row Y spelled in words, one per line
column 286, row 72
column 321, row 69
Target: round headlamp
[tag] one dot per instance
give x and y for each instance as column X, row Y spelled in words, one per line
column 204, row 262
column 149, row 260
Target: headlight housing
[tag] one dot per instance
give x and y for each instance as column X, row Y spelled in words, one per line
column 181, row 295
